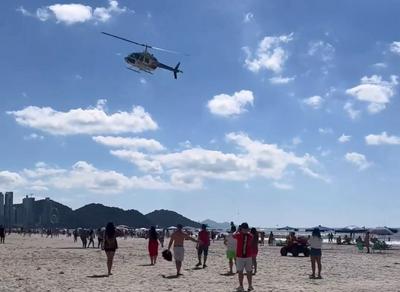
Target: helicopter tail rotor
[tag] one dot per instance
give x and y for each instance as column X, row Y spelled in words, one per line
column 176, row 70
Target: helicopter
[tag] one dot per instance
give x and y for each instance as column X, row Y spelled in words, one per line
column 145, row 61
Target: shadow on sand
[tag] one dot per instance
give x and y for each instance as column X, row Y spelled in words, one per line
column 98, row 276
column 145, row 265
column 228, row 274
column 171, row 276
column 72, row 247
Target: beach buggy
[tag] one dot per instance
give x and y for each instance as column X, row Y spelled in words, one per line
column 295, row 246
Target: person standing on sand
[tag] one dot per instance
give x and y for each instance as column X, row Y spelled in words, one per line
column 316, row 252
column 204, row 243
column 83, row 235
column 91, row 238
column 74, row 233
column 2, row 234
column 99, row 237
column 177, row 239
column 244, row 256
column 254, row 249
column 161, row 238
column 153, row 245
column 271, row 238
column 366, row 241
column 110, row 244
column 230, row 243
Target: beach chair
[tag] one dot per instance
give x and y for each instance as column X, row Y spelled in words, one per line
column 360, row 246
column 380, row 246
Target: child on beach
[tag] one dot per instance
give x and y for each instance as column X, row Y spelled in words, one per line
column 153, row 245
column 254, row 249
column 244, row 256
column 230, row 243
column 110, row 245
column 316, row 246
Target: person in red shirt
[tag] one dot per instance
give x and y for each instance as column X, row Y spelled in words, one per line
column 244, row 255
column 204, row 243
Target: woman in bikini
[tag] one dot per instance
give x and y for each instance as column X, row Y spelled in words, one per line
column 110, row 244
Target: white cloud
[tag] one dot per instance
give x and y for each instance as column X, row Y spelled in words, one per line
column 296, row 141
column 181, row 170
column 395, row 48
column 248, row 17
column 325, row 131
column 78, row 77
column 85, row 121
column 143, row 81
column 314, row 102
column 75, row 13
column 33, row 136
column 321, row 49
column 281, row 80
column 194, row 165
column 71, row 13
column 344, row 138
column 380, row 65
column 82, row 176
column 269, row 55
column 382, row 139
column 129, row 143
column 358, row 160
column 282, row 186
column 353, row 113
column 375, row 91
column 228, row 105
column 10, row 180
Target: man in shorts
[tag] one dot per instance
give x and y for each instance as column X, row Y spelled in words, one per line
column 204, row 243
column 244, row 255
column 177, row 239
column 230, row 243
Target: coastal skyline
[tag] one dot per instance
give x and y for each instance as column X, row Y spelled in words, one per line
column 281, row 116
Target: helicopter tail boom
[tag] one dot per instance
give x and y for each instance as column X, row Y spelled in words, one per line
column 175, row 70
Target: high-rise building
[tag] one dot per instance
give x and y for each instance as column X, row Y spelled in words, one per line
column 1, row 208
column 8, row 209
column 28, row 216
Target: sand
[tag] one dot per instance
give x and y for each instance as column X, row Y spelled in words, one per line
column 57, row 264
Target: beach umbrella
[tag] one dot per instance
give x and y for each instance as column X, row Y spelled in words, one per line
column 394, row 230
column 321, row 228
column 380, row 231
column 288, row 228
column 351, row 229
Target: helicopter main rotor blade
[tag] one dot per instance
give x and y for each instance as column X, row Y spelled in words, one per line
column 124, row 39
column 169, row 51
column 144, row 45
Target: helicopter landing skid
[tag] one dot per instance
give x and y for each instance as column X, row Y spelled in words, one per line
column 133, row 70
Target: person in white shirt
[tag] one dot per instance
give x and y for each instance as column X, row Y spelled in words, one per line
column 316, row 245
column 230, row 243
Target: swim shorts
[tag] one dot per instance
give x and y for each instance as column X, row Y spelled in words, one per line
column 179, row 252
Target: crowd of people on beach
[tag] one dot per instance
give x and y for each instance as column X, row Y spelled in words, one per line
column 241, row 249
column 242, row 245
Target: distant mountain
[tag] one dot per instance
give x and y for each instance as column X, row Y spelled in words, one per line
column 50, row 214
column 215, row 225
column 93, row 215
column 166, row 218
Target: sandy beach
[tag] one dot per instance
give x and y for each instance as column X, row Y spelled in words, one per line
column 57, row 264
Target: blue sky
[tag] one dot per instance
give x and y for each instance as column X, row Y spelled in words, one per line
column 286, row 113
